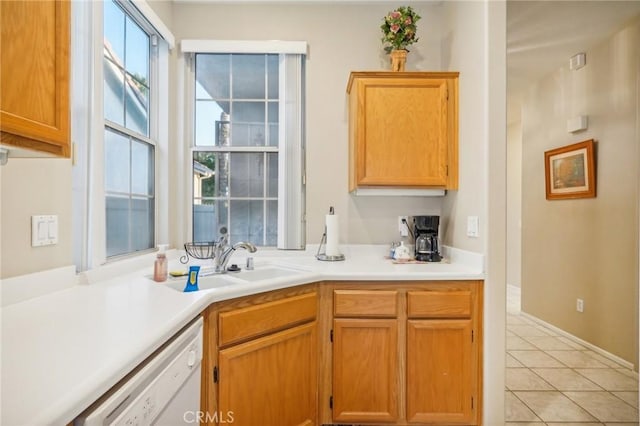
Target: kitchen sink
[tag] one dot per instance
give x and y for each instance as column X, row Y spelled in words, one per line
column 266, row 273
column 208, row 282
column 204, row 283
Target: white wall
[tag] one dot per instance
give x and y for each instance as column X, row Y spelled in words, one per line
column 586, row 248
column 474, row 40
column 34, row 187
column 341, row 39
column 463, row 49
column 514, row 203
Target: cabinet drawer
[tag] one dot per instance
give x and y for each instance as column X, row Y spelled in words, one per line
column 439, row 304
column 365, row 303
column 242, row 324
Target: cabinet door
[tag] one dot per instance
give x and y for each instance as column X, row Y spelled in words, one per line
column 440, row 374
column 34, row 85
column 270, row 381
column 403, row 131
column 365, row 370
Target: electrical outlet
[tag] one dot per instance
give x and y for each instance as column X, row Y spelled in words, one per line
column 579, row 305
column 403, row 226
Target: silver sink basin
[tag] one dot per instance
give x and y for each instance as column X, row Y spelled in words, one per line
column 265, row 273
column 204, row 283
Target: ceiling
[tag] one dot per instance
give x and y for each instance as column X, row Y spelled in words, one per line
column 543, row 35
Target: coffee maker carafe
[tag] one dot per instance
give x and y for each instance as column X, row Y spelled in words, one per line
column 426, row 234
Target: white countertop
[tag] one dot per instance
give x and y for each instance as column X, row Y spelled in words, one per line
column 61, row 351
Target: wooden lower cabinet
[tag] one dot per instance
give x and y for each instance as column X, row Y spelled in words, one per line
column 440, row 385
column 261, row 360
column 271, row 380
column 374, row 353
column 421, row 365
column 365, row 373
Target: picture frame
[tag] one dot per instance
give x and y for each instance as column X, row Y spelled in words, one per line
column 570, row 171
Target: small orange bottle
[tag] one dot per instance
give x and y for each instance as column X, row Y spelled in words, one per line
column 160, row 266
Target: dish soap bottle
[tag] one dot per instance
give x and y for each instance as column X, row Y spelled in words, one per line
column 160, row 266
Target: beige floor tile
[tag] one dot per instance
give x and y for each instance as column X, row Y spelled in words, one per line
column 554, row 407
column 630, row 398
column 628, row 372
column 518, row 343
column 609, row 379
column 516, row 411
column 513, row 363
column 574, row 345
column 576, row 359
column 509, row 333
column 604, row 406
column 516, row 320
column 603, row 359
column 621, row 424
column 525, row 379
column 573, row 424
column 536, row 359
column 565, row 379
column 528, row 424
column 547, row 343
column 529, row 330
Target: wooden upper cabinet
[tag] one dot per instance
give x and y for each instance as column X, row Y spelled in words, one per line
column 403, row 130
column 34, row 75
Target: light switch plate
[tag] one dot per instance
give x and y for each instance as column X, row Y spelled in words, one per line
column 44, row 230
column 472, row 226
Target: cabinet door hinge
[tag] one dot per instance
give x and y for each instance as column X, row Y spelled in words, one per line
column 215, row 374
column 471, row 336
column 331, row 402
column 472, row 403
column 447, row 169
column 331, row 336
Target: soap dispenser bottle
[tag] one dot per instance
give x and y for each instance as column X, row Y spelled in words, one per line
column 160, row 266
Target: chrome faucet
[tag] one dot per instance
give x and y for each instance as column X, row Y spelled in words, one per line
column 223, row 252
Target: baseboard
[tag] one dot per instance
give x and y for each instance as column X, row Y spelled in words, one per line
column 608, row 355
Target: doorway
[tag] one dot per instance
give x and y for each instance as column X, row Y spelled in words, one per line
column 563, row 365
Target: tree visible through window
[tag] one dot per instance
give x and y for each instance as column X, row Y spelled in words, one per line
column 235, row 165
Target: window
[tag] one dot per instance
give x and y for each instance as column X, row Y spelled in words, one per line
column 129, row 152
column 248, row 142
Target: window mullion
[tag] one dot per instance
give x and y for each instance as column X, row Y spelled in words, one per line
column 127, row 132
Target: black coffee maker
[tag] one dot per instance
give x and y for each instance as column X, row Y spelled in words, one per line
column 426, row 235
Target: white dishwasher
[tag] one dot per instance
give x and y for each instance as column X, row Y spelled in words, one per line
column 164, row 391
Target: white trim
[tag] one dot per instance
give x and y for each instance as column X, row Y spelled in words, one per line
column 244, row 46
column 81, row 110
column 402, row 192
column 97, row 236
column 155, row 22
column 612, row 357
column 216, row 148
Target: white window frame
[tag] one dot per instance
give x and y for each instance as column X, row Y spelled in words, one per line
column 291, row 151
column 88, row 129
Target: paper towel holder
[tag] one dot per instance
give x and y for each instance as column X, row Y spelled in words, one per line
column 324, row 256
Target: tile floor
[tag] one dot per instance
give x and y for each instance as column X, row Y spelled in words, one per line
column 552, row 380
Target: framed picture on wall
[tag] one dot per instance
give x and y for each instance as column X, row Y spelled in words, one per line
column 570, row 171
